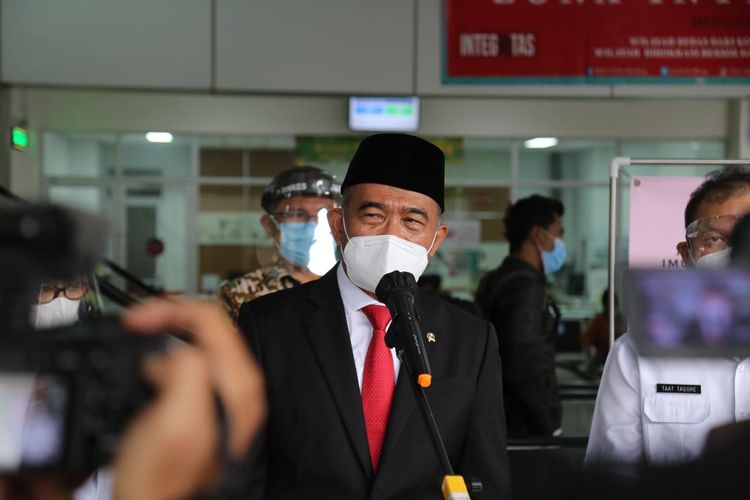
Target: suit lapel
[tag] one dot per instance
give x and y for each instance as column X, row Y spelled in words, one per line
column 329, row 336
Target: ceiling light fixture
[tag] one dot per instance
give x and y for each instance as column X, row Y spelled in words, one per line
column 160, row 137
column 540, row 143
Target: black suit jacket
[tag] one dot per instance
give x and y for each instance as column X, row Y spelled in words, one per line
column 314, row 445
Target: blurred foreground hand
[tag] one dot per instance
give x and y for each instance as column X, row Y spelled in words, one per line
column 172, row 448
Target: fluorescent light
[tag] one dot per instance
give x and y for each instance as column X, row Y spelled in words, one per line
column 540, row 142
column 162, row 137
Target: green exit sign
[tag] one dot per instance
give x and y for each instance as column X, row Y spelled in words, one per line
column 19, row 137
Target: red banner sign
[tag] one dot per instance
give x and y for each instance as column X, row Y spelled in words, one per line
column 590, row 41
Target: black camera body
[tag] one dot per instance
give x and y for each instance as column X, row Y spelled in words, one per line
column 73, row 389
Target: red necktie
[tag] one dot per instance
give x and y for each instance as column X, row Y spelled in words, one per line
column 377, row 382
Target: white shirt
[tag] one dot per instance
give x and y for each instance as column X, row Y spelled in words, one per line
column 633, row 419
column 96, row 487
column 360, row 328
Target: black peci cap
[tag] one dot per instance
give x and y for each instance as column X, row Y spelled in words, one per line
column 399, row 160
column 300, row 181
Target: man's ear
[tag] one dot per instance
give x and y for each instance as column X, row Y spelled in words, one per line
column 271, row 230
column 440, row 235
column 538, row 237
column 684, row 250
column 336, row 222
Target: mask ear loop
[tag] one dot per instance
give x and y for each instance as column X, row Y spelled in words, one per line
column 434, row 237
column 539, row 247
column 343, row 223
column 549, row 235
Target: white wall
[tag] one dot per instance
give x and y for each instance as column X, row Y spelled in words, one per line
column 113, row 111
column 329, row 46
column 575, row 118
column 51, row 109
column 271, row 46
column 134, row 43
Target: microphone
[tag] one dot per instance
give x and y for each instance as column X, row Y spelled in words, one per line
column 396, row 291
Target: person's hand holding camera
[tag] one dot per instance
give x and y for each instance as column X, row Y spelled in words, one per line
column 172, row 448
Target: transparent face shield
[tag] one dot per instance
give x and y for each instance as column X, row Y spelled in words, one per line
column 709, row 235
column 305, row 238
column 303, row 184
column 290, row 212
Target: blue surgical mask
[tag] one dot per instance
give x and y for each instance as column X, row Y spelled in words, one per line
column 553, row 260
column 296, row 240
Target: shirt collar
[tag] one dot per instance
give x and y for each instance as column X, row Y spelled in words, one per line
column 353, row 297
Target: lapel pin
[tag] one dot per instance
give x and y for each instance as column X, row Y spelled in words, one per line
column 431, row 337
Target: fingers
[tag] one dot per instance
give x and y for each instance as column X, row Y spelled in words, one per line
column 170, row 449
column 237, row 378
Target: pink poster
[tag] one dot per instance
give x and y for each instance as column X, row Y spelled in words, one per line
column 657, row 219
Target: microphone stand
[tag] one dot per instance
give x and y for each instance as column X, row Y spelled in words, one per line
column 454, row 487
column 396, row 290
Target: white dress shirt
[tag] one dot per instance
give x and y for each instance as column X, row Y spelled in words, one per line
column 360, row 328
column 662, row 409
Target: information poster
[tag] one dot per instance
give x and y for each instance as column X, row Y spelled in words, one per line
column 657, row 219
column 597, row 41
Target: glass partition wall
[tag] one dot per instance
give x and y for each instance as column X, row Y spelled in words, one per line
column 184, row 214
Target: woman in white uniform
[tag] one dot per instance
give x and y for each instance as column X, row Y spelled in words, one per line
column 660, row 410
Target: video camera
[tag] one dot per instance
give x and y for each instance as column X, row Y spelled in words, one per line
column 66, row 394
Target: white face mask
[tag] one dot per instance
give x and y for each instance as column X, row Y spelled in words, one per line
column 60, row 312
column 716, row 260
column 369, row 258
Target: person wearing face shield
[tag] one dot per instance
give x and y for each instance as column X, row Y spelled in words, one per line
column 344, row 422
column 514, row 298
column 296, row 203
column 638, row 416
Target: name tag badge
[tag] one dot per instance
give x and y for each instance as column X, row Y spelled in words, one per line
column 678, row 388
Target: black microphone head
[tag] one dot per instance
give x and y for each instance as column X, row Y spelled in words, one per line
column 395, row 282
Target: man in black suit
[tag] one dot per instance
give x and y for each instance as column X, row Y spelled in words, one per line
column 343, row 418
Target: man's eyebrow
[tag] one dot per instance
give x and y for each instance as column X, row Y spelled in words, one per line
column 417, row 211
